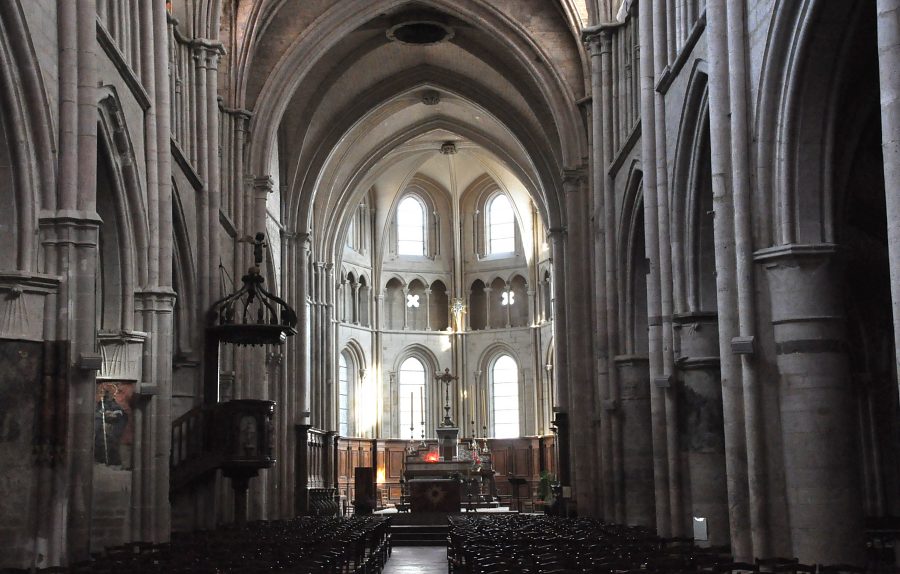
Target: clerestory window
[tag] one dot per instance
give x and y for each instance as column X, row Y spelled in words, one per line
column 411, row 227
column 501, row 228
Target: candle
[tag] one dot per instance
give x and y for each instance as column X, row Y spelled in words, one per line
column 411, row 411
column 483, row 407
column 422, row 403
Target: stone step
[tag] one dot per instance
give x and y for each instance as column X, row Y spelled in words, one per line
column 419, row 535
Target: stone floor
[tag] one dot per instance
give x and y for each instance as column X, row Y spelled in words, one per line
column 417, row 560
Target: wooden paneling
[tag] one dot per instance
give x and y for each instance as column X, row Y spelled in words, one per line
column 501, row 461
column 395, row 464
column 522, row 466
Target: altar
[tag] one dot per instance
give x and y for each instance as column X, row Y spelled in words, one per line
column 435, row 495
column 435, row 485
column 438, row 484
column 441, row 478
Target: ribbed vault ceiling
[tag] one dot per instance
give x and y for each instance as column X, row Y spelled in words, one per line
column 353, row 112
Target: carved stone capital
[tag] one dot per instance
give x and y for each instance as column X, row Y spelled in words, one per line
column 22, row 297
column 264, row 183
column 121, row 353
column 573, row 179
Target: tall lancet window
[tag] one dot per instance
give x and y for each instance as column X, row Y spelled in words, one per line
column 505, row 386
column 412, row 391
column 501, row 225
column 343, row 396
column 411, row 226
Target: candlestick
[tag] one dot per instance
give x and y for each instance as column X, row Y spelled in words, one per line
column 411, row 416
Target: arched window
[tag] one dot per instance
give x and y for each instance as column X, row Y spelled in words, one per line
column 412, row 389
column 505, row 385
column 411, row 227
column 344, row 380
column 351, row 235
column 501, row 229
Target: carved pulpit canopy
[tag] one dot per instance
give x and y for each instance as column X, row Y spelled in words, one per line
column 252, row 315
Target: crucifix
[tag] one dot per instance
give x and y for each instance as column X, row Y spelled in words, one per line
column 447, row 378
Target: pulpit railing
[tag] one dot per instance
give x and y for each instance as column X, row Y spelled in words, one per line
column 235, row 436
column 191, row 458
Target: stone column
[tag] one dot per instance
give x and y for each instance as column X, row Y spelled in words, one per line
column 148, row 79
column 561, row 399
column 547, row 297
column 213, row 184
column 532, row 308
column 205, row 275
column 342, row 301
column 547, row 404
column 355, row 288
column 648, row 19
column 428, row 309
column 317, row 380
column 329, row 355
column 509, row 294
column 816, row 398
column 889, row 72
column 487, row 306
column 262, row 187
column 157, row 307
column 405, row 309
column 748, row 531
column 378, row 321
column 637, row 451
column 584, row 404
column 241, row 133
column 701, row 425
column 304, row 332
column 663, row 36
column 73, row 237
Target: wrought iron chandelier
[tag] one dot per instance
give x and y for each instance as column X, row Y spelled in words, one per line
column 252, row 315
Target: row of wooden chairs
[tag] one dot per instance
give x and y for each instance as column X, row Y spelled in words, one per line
column 533, row 544
column 307, row 545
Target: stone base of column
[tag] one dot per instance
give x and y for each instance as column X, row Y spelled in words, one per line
column 816, row 398
column 637, row 448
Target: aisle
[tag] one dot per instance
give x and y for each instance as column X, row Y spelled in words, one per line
column 417, row 560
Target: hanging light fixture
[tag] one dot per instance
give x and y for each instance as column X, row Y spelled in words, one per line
column 252, row 315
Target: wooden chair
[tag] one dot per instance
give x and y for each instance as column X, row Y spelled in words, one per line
column 794, row 568
column 727, row 567
column 840, row 569
column 769, row 564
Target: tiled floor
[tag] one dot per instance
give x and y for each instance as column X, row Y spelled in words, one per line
column 417, row 560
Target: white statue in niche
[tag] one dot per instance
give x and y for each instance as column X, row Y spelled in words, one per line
column 458, row 309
